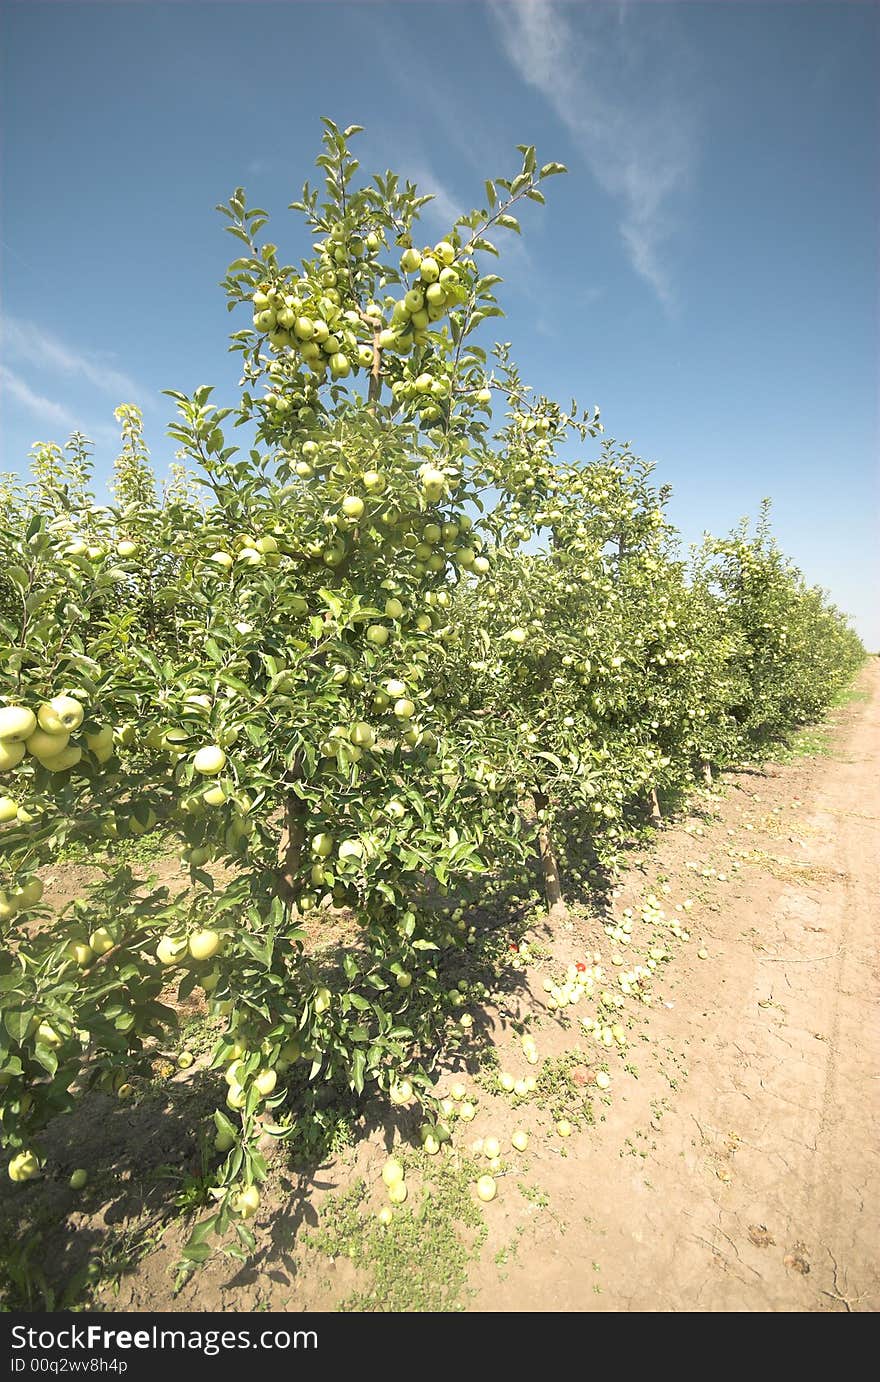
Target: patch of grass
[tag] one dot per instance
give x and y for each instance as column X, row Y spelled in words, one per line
column 24, row 1284
column 199, row 1034
column 418, row 1262
column 812, row 742
column 558, row 1091
column 851, row 693
column 119, row 1254
column 134, row 849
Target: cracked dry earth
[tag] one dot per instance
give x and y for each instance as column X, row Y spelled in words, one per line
column 753, row 1185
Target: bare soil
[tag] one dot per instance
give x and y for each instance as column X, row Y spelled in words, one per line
column 732, row 1165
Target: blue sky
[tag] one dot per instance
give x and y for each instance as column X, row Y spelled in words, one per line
column 707, row 273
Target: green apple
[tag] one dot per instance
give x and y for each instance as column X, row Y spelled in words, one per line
column 247, row 1202
column 101, row 941
column 47, row 1035
column 23, row 1167
column 266, row 1081
column 222, row 559
column 404, row 708
column 29, row 894
column 126, row 548
column 203, row 944
column 209, row 760
column 100, row 740
column 410, row 260
column 60, row 762
column 169, row 951
column 79, row 1179
column 378, row 635
column 351, row 849
column 322, row 844
column 401, row 1093
column 433, row 483
column 404, row 980
column 46, row 744
column 11, row 753
column 486, row 1188
column 397, row 1192
column 8, row 810
column 82, row 953
column 61, row 715
column 392, row 1172
column 237, row 1096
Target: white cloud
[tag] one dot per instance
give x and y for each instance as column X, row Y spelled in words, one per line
column 445, row 208
column 26, row 342
column 612, row 84
column 46, row 408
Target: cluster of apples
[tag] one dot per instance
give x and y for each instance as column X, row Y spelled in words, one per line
column 126, row 548
column 21, row 898
column 248, row 551
column 437, row 289
column 46, row 736
column 311, row 321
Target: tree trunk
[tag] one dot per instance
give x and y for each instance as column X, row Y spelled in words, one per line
column 656, row 817
column 290, row 845
column 556, row 907
column 707, row 773
column 375, row 388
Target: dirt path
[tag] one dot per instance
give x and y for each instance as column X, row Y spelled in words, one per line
column 754, row 1186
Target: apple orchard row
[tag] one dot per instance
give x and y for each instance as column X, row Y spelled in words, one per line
column 393, row 654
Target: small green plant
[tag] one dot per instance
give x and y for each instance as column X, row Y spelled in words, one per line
column 418, row 1262
column 559, row 1092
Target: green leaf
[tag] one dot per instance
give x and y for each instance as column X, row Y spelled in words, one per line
column 17, row 1023
column 46, row 1057
column 358, row 1062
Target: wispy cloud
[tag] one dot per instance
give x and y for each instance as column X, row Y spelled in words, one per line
column 27, row 343
column 446, row 207
column 39, row 404
column 601, row 71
